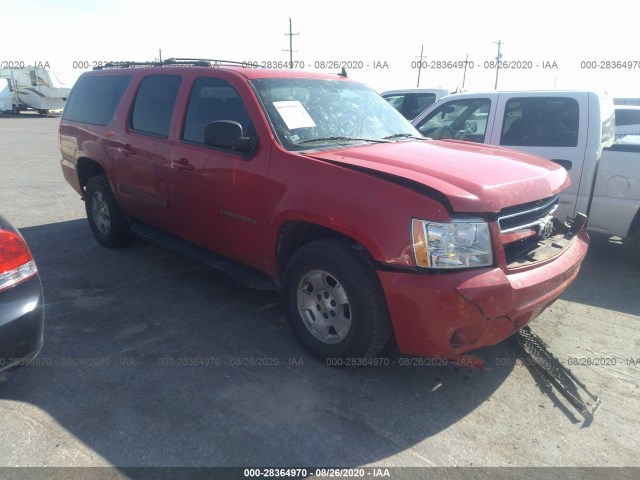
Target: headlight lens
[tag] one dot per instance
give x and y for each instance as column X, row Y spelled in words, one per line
column 456, row 244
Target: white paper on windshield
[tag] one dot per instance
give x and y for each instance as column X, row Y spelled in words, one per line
column 294, row 114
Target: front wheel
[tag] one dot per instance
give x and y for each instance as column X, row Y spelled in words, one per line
column 108, row 224
column 334, row 301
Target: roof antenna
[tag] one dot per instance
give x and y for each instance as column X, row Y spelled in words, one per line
column 343, row 73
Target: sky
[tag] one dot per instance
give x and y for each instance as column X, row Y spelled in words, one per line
column 581, row 46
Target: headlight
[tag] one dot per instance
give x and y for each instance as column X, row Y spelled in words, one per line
column 456, row 244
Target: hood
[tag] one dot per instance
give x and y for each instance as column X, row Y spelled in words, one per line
column 474, row 177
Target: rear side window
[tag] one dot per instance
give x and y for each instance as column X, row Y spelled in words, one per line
column 94, row 99
column 423, row 100
column 154, row 104
column 627, row 117
column 396, row 101
column 541, row 122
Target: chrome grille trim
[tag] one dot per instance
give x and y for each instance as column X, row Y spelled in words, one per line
column 529, row 217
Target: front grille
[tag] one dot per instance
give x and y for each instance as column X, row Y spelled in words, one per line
column 526, row 215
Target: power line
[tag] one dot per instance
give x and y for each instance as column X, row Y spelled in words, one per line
column 290, row 50
column 420, row 64
column 464, row 75
column 499, row 43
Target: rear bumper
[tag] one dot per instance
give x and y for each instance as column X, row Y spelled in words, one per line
column 449, row 314
column 21, row 323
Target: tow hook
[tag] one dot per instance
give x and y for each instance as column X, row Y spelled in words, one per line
column 531, row 347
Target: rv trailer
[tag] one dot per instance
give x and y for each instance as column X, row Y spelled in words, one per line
column 33, row 88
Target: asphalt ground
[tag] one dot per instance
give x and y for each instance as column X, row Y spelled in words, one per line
column 151, row 359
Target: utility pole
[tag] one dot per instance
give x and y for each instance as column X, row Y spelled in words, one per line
column 290, row 50
column 499, row 43
column 464, row 75
column 420, row 64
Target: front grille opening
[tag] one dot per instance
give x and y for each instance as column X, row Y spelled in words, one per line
column 520, row 249
column 535, row 249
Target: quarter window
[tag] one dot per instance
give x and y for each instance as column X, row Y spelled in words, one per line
column 154, row 104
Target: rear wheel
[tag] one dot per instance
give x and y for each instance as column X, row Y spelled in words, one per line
column 334, row 301
column 108, row 224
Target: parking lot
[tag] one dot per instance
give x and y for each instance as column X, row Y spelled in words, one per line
column 151, row 359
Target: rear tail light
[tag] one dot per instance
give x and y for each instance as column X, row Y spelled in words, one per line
column 16, row 261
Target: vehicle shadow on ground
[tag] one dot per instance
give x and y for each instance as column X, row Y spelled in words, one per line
column 152, row 360
column 609, row 263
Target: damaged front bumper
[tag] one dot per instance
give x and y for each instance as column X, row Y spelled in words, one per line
column 451, row 313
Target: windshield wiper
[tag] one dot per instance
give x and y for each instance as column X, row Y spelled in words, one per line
column 355, row 139
column 403, row 135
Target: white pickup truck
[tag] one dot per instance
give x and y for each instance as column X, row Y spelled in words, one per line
column 573, row 128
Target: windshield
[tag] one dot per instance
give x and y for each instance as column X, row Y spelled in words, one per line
column 317, row 114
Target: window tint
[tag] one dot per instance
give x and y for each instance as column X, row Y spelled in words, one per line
column 154, row 104
column 422, row 101
column 627, row 117
column 94, row 99
column 464, row 119
column 541, row 122
column 214, row 99
column 396, row 101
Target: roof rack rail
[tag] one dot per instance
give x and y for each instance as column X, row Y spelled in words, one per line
column 193, row 62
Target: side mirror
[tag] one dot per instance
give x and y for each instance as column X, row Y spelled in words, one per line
column 229, row 134
column 447, row 110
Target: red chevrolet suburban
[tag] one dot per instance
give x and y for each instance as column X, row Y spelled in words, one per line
column 314, row 185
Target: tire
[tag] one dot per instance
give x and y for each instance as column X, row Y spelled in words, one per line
column 15, row 109
column 108, row 224
column 334, row 301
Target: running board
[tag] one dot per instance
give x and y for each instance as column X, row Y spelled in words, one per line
column 244, row 275
column 564, row 380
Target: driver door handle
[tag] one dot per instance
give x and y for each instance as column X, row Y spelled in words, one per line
column 182, row 164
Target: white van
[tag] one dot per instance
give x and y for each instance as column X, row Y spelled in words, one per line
column 572, row 128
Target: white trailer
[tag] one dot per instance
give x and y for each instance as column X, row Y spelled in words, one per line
column 5, row 96
column 35, row 88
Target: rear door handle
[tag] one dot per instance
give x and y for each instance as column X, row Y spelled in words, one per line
column 182, row 164
column 126, row 150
